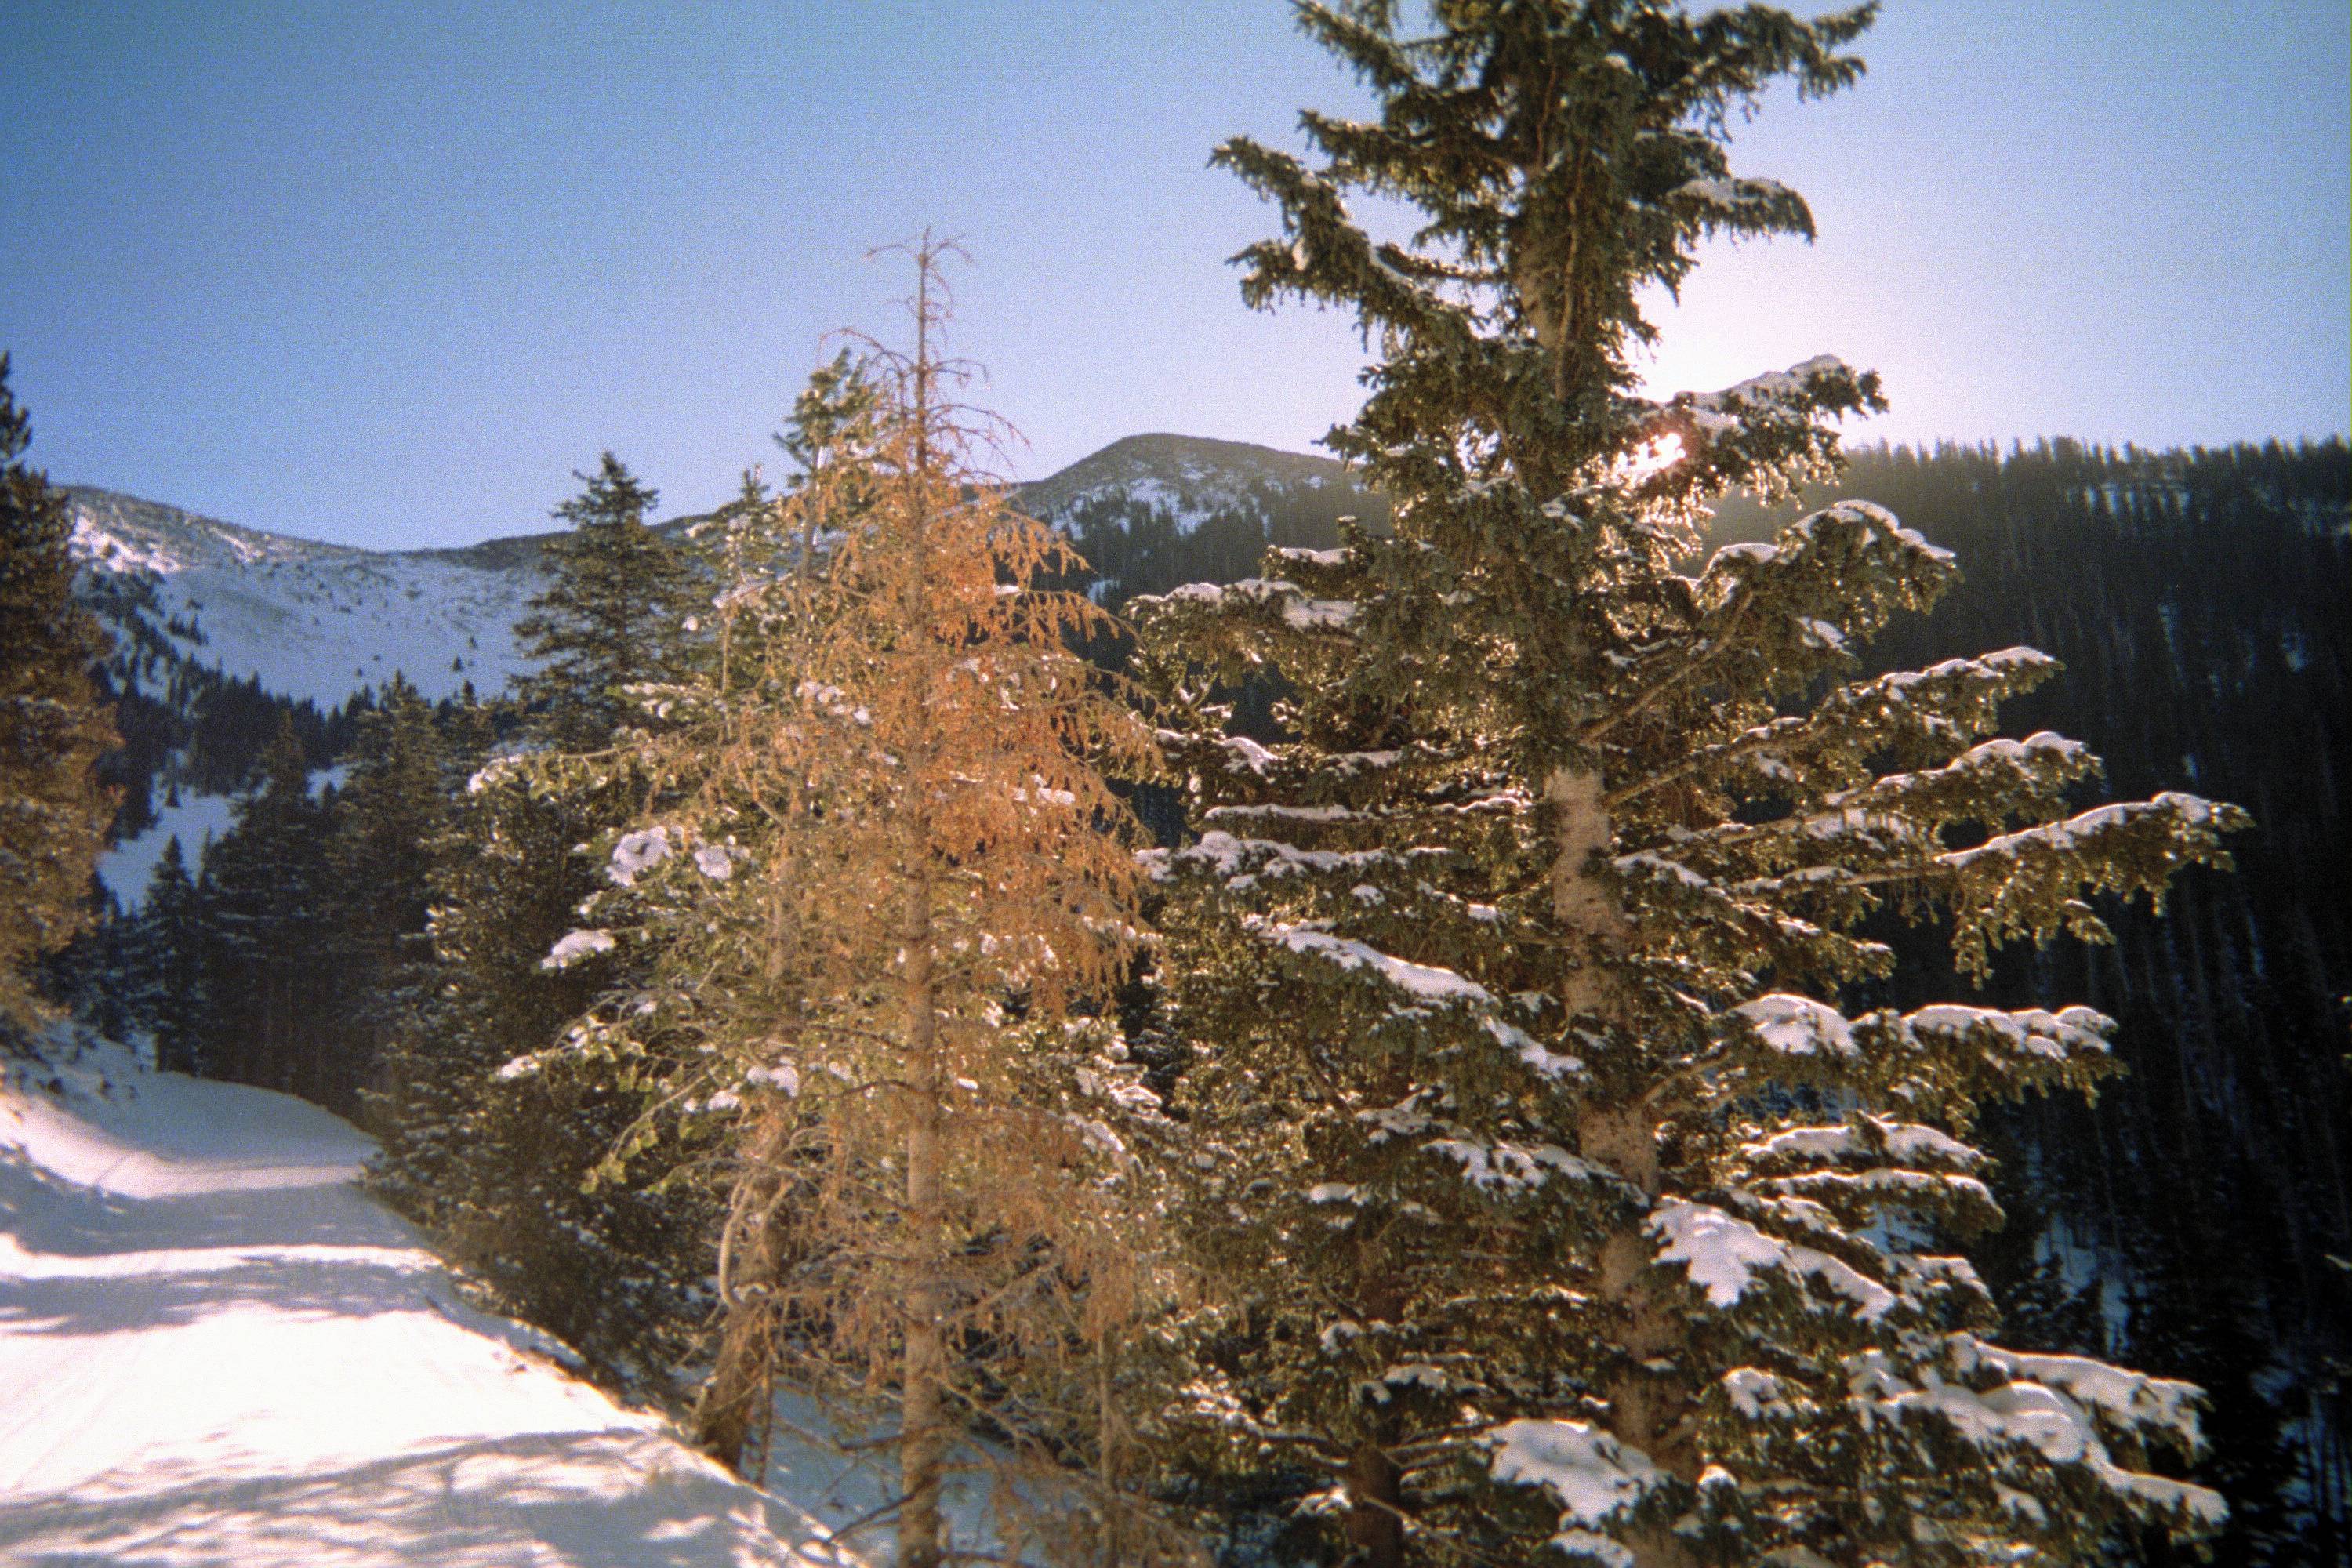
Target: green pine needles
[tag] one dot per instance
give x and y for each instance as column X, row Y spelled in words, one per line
column 1552, row 1199
column 613, row 612
column 53, row 727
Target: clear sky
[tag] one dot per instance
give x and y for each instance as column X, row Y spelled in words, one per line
column 387, row 274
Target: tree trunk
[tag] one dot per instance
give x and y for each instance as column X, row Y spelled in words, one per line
column 1375, row 1516
column 730, row 1409
column 1645, row 1406
column 922, row 1441
column 1586, row 911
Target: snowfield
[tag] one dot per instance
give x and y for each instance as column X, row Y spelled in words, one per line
column 308, row 620
column 215, row 1350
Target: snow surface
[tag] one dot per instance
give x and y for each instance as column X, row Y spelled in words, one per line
column 310, row 620
column 215, row 1350
column 196, row 822
column 826, row 1458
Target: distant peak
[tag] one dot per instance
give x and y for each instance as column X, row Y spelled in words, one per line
column 1198, row 468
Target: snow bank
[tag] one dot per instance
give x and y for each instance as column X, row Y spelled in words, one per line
column 214, row 1348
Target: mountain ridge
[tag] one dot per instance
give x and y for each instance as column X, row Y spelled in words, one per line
column 318, row 621
column 134, row 522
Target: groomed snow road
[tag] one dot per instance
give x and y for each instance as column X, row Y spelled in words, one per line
column 215, row 1350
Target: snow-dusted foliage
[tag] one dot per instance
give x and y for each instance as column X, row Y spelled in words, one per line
column 1565, row 1204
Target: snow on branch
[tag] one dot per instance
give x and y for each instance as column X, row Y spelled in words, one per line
column 1775, row 394
column 1865, row 1140
column 2031, row 881
column 1798, row 1026
column 1840, row 530
column 1241, row 862
column 1285, row 598
column 1857, row 1196
column 1770, row 433
column 637, row 853
column 1507, row 1168
column 1989, row 777
column 1595, row 1479
column 1424, row 982
column 1746, row 203
column 574, row 946
column 1775, row 615
column 2125, row 1403
column 1939, row 1060
column 2002, row 1403
column 1722, row 1255
column 1924, row 716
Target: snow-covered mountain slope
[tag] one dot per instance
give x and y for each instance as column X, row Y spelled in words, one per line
column 1152, row 512
column 318, row 622
column 195, row 821
column 308, row 620
column 1189, row 479
column 214, row 1349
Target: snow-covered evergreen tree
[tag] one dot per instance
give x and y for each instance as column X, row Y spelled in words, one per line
column 53, row 813
column 495, row 1167
column 1561, row 1201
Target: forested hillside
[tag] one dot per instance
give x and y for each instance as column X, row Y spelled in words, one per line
column 1152, row 512
column 2197, row 1217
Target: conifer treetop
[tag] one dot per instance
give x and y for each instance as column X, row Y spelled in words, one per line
column 613, row 613
column 1559, row 160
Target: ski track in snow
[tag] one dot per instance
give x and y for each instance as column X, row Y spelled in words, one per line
column 215, row 1350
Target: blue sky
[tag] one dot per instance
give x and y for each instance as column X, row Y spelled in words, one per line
column 388, row 274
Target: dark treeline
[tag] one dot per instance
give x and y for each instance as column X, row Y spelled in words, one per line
column 2195, row 1219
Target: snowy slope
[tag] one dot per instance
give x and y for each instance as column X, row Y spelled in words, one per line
column 310, row 620
column 214, row 1349
column 1186, row 480
column 319, row 621
column 195, row 822
column 1190, row 479
column 1151, row 512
